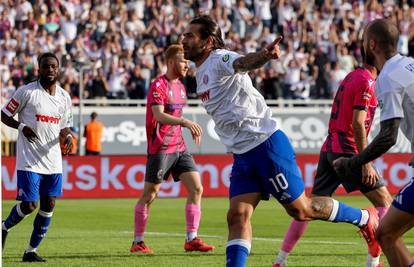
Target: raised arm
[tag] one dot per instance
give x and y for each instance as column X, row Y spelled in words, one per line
column 256, row 60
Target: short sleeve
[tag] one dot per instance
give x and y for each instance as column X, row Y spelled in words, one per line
column 363, row 95
column 68, row 115
column 157, row 94
column 390, row 103
column 225, row 62
column 16, row 102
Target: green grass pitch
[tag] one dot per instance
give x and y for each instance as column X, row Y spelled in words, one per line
column 99, row 232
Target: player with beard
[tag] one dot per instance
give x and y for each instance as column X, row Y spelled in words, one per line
column 167, row 152
column 347, row 135
column 395, row 93
column 264, row 160
column 44, row 116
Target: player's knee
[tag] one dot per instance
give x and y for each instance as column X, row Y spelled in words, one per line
column 385, row 238
column 148, row 197
column 236, row 217
column 197, row 190
column 28, row 207
column 47, row 204
column 297, row 214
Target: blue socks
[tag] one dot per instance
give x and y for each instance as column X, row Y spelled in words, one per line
column 237, row 251
column 344, row 213
column 40, row 226
column 15, row 216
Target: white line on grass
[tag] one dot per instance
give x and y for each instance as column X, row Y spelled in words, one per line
column 254, row 238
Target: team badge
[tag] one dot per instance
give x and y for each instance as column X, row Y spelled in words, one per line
column 225, row 58
column 61, row 110
column 156, row 94
column 205, row 79
column 182, row 93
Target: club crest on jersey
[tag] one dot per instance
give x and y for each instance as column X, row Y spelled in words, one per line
column 12, row 106
column 156, row 94
column 47, row 119
column 61, row 110
column 205, row 79
column 225, row 58
column 380, row 103
column 205, row 96
column 182, row 93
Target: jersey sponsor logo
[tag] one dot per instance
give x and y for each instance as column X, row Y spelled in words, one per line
column 12, row 106
column 205, row 79
column 225, row 58
column 47, row 119
column 205, row 96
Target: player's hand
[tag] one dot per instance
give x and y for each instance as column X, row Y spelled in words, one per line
column 195, row 129
column 273, row 50
column 68, row 144
column 411, row 162
column 30, row 134
column 369, row 175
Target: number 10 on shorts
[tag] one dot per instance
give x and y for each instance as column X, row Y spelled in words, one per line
column 279, row 182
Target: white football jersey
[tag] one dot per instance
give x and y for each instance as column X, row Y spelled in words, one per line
column 395, row 92
column 46, row 115
column 242, row 118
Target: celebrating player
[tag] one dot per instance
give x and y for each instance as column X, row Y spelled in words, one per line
column 167, row 151
column 44, row 112
column 347, row 135
column 395, row 92
column 264, row 161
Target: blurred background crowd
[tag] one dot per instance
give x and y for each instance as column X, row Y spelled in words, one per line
column 122, row 41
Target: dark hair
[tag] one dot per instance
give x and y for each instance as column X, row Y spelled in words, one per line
column 385, row 33
column 209, row 28
column 94, row 115
column 46, row 55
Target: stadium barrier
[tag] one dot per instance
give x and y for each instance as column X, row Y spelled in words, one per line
column 123, row 176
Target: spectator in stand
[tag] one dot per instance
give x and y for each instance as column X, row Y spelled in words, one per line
column 93, row 134
column 102, row 32
column 98, row 86
column 136, row 84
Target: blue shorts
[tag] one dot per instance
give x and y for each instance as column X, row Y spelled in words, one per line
column 404, row 200
column 269, row 168
column 31, row 184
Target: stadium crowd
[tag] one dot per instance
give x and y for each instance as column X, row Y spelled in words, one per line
column 123, row 41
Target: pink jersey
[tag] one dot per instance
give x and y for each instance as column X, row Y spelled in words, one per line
column 164, row 138
column 356, row 91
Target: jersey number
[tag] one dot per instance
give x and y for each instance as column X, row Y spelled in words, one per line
column 279, row 182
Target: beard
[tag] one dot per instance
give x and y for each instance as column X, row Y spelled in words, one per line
column 194, row 53
column 368, row 57
column 47, row 81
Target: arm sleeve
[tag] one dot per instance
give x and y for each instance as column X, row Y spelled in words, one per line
column 16, row 102
column 157, row 94
column 389, row 96
column 391, row 105
column 67, row 120
column 225, row 62
column 362, row 96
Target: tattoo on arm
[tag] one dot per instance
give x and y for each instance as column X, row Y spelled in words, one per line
column 250, row 61
column 385, row 139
